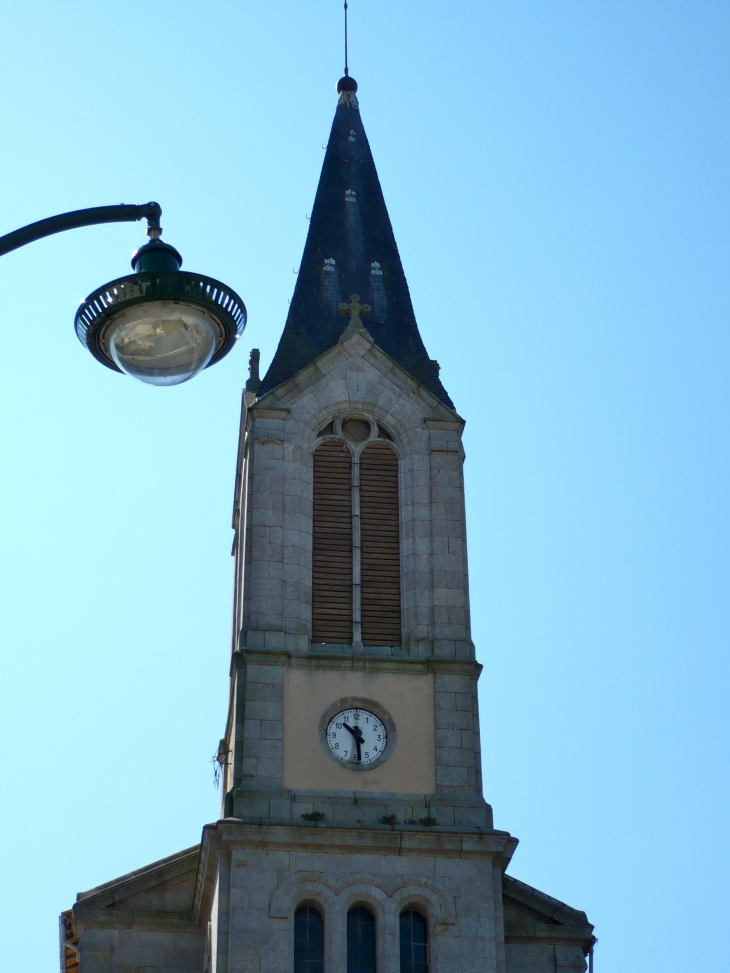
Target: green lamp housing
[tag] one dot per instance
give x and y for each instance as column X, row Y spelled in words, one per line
column 160, row 324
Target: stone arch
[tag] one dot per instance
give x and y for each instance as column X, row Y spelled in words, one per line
column 302, row 888
column 429, row 898
column 363, row 891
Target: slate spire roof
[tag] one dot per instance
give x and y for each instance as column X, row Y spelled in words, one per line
column 350, row 249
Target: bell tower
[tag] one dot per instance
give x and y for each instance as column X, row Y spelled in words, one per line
column 351, row 568
column 354, row 835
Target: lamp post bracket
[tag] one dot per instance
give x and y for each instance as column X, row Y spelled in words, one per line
column 123, row 213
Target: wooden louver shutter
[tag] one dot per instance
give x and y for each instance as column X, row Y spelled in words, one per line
column 380, row 545
column 332, row 545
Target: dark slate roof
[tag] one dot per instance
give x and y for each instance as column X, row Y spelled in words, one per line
column 350, row 249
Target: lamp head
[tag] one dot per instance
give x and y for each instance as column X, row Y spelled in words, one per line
column 160, row 324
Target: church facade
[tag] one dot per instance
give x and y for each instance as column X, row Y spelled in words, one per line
column 354, row 836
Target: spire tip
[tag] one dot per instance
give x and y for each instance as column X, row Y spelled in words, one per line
column 346, row 83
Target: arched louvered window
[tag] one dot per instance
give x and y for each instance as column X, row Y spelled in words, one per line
column 380, row 546
column 360, row 940
column 356, row 536
column 413, row 942
column 332, row 545
column 308, row 940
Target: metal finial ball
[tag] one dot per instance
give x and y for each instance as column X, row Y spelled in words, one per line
column 346, row 84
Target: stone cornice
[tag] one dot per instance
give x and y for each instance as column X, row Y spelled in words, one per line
column 356, row 661
column 269, row 412
column 555, row 935
column 447, row 425
column 439, row 842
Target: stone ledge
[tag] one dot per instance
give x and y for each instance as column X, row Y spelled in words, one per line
column 269, row 412
column 347, row 809
column 556, row 935
column 449, row 425
column 359, row 663
column 437, row 842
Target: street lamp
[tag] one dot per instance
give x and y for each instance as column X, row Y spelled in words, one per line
column 159, row 324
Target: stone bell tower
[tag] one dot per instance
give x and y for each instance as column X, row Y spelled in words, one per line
column 354, row 835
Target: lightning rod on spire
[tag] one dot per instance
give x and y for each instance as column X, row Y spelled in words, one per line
column 346, row 71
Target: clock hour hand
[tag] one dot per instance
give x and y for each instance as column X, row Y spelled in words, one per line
column 357, row 734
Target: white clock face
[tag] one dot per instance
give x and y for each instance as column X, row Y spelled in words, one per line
column 356, row 736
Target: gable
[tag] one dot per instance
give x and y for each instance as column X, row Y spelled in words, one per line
column 357, row 371
column 164, row 886
column 144, row 920
column 532, row 918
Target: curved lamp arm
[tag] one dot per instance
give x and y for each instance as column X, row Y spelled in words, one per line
column 80, row 217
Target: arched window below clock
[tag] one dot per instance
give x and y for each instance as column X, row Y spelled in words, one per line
column 308, row 940
column 413, row 942
column 360, row 940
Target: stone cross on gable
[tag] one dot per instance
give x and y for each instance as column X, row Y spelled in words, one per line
column 354, row 309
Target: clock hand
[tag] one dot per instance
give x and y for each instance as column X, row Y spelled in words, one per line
column 357, row 734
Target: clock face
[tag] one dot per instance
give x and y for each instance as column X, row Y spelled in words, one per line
column 356, row 736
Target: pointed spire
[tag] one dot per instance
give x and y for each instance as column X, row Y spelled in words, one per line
column 350, row 250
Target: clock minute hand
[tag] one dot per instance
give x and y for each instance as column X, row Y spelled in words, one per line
column 357, row 734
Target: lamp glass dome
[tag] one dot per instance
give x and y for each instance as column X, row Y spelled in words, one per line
column 162, row 342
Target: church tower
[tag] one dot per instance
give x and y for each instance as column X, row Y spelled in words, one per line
column 354, row 835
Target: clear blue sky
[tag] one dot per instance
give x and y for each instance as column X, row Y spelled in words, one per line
column 556, row 173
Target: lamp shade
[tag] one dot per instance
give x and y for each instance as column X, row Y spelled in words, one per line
column 161, row 325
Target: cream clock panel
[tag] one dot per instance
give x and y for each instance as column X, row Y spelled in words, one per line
column 404, row 702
